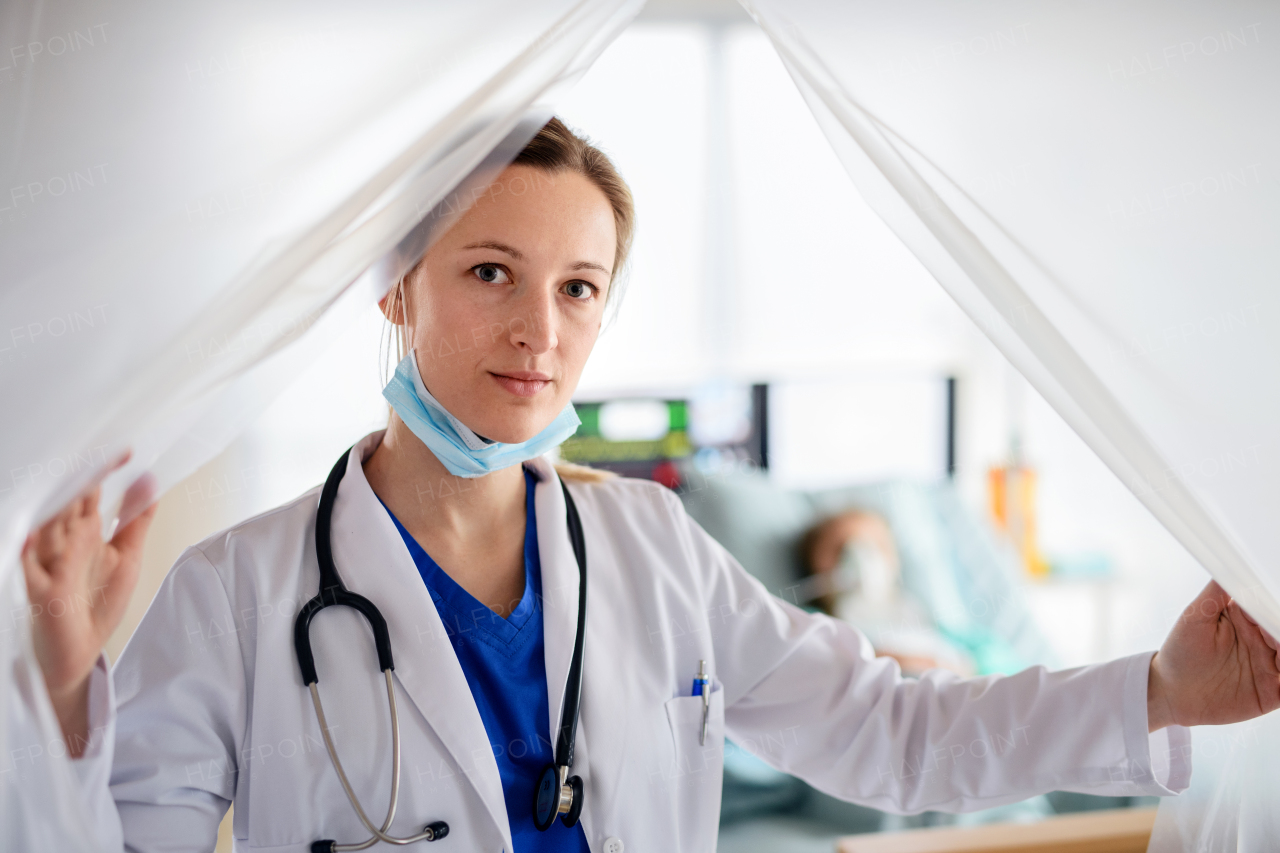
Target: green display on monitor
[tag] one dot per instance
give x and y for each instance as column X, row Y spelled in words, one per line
column 588, row 446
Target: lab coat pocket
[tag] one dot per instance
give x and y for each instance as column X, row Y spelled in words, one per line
column 696, row 763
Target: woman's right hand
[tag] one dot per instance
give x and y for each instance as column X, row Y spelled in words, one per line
column 79, row 586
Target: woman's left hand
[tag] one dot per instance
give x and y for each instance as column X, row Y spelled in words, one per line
column 1217, row 666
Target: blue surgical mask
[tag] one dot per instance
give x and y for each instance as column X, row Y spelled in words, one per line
column 463, row 452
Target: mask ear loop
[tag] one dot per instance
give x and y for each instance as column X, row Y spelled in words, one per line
column 407, row 332
column 399, row 308
column 393, row 301
column 397, row 303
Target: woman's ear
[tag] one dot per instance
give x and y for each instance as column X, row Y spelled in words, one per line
column 392, row 303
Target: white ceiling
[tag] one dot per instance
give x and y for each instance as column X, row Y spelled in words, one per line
column 715, row 11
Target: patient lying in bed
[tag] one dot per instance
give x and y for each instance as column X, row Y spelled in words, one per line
column 855, row 575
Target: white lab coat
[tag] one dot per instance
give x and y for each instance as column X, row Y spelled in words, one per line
column 211, row 708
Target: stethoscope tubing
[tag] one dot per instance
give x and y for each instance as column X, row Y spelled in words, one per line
column 333, row 592
column 378, row 834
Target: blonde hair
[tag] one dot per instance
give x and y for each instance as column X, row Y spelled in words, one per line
column 575, row 473
column 556, row 148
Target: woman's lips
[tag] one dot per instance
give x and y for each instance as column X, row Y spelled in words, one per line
column 522, row 384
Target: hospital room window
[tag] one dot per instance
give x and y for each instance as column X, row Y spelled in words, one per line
column 757, row 262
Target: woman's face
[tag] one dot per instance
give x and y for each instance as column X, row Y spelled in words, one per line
column 506, row 306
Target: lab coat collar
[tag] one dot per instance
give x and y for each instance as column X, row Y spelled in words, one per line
column 426, row 666
column 559, row 590
column 373, row 561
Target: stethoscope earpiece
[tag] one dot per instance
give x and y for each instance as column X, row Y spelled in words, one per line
column 431, row 832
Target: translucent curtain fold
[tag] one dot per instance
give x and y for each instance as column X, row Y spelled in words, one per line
column 1096, row 186
column 195, row 197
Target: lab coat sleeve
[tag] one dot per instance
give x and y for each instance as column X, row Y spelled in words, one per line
column 181, row 714
column 49, row 801
column 806, row 694
column 93, row 767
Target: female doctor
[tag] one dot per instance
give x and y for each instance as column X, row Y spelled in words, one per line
column 465, row 539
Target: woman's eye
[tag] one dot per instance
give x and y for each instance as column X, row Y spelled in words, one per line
column 579, row 290
column 491, row 274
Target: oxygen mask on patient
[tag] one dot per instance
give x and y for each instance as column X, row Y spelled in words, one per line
column 456, row 445
column 869, row 594
column 866, row 590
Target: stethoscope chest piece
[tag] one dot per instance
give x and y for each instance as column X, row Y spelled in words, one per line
column 557, row 795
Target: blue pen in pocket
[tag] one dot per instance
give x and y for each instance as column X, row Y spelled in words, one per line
column 700, row 688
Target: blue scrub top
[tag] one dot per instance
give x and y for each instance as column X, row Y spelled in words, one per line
column 505, row 666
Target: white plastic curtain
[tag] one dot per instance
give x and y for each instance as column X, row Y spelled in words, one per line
column 191, row 192
column 186, row 189
column 1096, row 185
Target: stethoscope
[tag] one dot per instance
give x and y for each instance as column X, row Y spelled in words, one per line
column 557, row 792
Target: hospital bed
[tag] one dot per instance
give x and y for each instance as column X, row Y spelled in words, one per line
column 965, row 578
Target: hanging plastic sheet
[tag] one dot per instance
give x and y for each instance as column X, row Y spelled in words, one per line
column 1095, row 183
column 194, row 198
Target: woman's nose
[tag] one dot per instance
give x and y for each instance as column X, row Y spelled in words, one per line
column 533, row 329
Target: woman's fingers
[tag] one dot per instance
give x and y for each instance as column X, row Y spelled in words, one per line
column 1217, row 665
column 83, row 540
column 1208, row 605
column 140, row 495
column 66, row 548
column 1262, row 659
column 122, row 560
column 130, row 538
column 51, row 538
column 75, row 526
column 58, row 533
column 1263, row 632
column 33, row 570
column 1260, row 643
